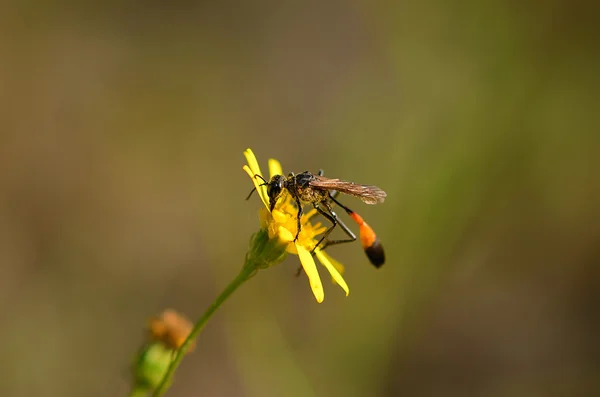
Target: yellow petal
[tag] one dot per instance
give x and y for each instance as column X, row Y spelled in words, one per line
column 264, row 217
column 307, row 215
column 275, row 168
column 279, row 216
column 337, row 277
column 252, row 162
column 255, row 168
column 338, row 266
column 291, row 248
column 259, row 189
column 318, row 229
column 285, row 234
column 310, row 268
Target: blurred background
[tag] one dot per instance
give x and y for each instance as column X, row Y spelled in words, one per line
column 121, row 194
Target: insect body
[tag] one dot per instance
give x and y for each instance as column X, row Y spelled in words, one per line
column 368, row 238
column 321, row 192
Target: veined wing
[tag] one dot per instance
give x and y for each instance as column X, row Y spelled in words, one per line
column 368, row 193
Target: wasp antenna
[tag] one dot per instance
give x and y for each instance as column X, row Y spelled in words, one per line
column 263, row 179
column 262, row 184
column 251, row 192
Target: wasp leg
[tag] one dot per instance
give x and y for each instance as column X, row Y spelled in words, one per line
column 345, row 228
column 332, row 217
column 299, row 204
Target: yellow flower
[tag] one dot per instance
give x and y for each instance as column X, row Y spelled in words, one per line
column 281, row 224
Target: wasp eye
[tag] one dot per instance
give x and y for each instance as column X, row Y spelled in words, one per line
column 273, row 190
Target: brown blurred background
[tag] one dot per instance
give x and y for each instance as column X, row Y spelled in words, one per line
column 121, row 193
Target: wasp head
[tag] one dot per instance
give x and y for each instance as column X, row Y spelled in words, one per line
column 274, row 188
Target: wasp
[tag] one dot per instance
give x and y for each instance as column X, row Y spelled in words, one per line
column 321, row 193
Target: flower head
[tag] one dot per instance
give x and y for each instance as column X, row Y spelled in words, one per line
column 166, row 334
column 171, row 328
column 280, row 222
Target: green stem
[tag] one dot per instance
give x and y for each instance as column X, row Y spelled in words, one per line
column 245, row 274
column 138, row 392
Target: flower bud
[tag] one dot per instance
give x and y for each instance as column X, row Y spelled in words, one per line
column 265, row 252
column 151, row 365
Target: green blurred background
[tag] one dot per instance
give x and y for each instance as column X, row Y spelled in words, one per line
column 122, row 193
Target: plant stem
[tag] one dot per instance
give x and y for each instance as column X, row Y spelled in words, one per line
column 138, row 392
column 243, row 276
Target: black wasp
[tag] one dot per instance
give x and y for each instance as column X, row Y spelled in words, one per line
column 321, row 192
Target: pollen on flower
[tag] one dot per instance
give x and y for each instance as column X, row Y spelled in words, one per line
column 283, row 223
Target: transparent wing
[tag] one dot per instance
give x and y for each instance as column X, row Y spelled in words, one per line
column 368, row 193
